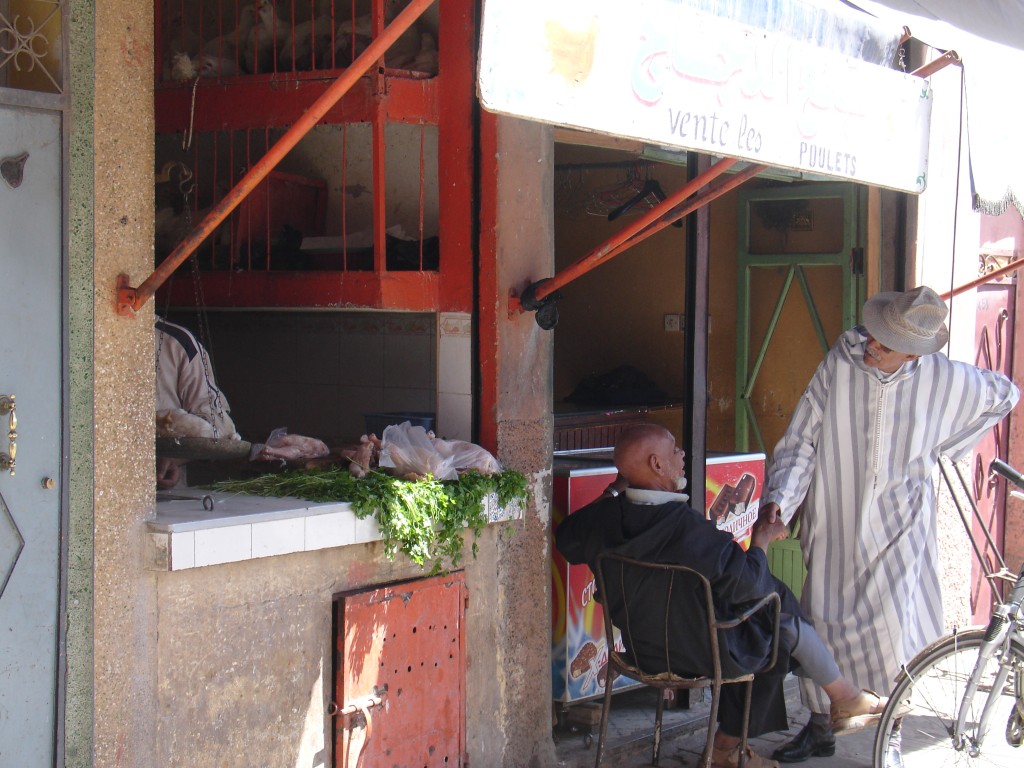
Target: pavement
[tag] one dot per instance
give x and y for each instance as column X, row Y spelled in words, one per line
column 631, row 731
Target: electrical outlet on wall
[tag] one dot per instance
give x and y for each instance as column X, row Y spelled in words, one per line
column 672, row 323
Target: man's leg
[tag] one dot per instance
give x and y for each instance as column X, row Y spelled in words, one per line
column 814, row 740
column 767, row 713
column 816, row 662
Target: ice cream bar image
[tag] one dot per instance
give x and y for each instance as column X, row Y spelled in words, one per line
column 733, row 499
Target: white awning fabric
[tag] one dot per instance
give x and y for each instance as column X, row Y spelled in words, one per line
column 989, row 37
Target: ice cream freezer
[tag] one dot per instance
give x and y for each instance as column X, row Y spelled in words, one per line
column 578, row 653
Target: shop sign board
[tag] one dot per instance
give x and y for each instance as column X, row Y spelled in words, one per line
column 670, row 76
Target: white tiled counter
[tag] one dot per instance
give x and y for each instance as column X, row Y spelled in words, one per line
column 193, row 527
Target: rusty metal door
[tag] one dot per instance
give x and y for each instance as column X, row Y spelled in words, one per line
column 993, row 344
column 400, row 675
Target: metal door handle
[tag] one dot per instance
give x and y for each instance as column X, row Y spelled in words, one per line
column 363, row 705
column 7, row 460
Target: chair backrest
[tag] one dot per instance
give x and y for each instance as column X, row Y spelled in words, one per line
column 666, row 616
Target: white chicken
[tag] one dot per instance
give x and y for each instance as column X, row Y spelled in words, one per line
column 305, row 44
column 403, row 51
column 178, row 34
column 264, row 39
column 176, row 422
column 426, row 59
column 282, row 447
column 211, row 65
column 227, row 45
column 352, row 37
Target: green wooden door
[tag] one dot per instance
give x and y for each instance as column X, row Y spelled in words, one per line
column 800, row 284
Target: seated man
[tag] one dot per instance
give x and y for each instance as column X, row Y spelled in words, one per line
column 652, row 521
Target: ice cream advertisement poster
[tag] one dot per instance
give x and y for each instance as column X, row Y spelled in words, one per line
column 579, row 654
column 733, row 493
column 579, row 658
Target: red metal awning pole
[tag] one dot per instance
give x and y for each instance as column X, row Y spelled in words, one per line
column 601, row 253
column 1013, row 266
column 130, row 300
column 699, row 201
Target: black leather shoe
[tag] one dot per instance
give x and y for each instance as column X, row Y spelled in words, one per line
column 814, row 740
column 894, row 751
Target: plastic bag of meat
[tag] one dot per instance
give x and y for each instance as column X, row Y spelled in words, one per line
column 466, row 456
column 409, row 452
column 412, row 451
column 281, row 446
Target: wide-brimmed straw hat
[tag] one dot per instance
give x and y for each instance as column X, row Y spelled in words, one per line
column 911, row 322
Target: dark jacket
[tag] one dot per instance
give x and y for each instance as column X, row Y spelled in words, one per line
column 676, row 533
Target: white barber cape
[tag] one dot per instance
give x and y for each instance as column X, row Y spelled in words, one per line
column 860, row 451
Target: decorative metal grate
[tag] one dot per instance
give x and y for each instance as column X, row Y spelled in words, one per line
column 31, row 45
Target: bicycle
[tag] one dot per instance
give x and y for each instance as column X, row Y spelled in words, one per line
column 953, row 698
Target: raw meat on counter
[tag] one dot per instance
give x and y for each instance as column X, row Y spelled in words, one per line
column 282, row 447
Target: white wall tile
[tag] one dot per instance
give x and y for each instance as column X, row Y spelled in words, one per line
column 455, row 365
column 182, row 550
column 366, row 530
column 409, row 360
column 454, row 416
column 223, row 545
column 334, row 529
column 278, row 537
column 362, row 359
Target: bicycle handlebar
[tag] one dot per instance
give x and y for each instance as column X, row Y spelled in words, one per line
column 1004, row 469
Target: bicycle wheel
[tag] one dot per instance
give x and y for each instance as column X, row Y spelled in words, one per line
column 926, row 701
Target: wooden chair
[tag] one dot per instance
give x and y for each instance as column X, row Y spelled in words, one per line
column 684, row 627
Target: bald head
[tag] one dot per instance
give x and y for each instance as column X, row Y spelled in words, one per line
column 647, row 457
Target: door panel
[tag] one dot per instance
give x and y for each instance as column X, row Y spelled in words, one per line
column 400, row 675
column 993, row 350
column 800, row 285
column 31, row 319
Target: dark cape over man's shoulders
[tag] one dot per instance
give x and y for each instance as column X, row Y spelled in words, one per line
column 670, row 533
column 673, row 532
column 676, row 533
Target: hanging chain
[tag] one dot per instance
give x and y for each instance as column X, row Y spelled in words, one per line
column 202, row 322
column 187, row 186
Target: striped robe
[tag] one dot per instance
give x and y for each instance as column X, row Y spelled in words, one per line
column 860, row 451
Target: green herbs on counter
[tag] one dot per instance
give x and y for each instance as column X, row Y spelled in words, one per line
column 424, row 519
